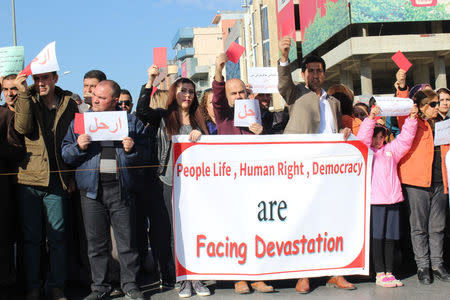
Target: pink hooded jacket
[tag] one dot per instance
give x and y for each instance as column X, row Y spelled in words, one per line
column 386, row 188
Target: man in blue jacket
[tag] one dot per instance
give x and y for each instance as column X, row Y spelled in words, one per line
column 108, row 188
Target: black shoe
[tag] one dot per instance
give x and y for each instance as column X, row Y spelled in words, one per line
column 96, row 295
column 441, row 273
column 424, row 275
column 116, row 292
column 134, row 294
column 166, row 285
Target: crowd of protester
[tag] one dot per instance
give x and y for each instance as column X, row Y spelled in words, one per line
column 79, row 210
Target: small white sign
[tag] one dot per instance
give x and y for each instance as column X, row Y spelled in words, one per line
column 11, row 60
column 394, row 106
column 246, row 112
column 44, row 62
column 263, row 80
column 442, row 133
column 106, row 125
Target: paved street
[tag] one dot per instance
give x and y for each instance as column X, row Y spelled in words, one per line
column 285, row 290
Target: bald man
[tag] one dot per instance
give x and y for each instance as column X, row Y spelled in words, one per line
column 225, row 94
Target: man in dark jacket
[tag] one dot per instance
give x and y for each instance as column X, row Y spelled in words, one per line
column 9, row 90
column 43, row 114
column 108, row 191
column 11, row 151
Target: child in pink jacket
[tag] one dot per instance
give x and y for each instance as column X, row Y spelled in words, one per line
column 386, row 190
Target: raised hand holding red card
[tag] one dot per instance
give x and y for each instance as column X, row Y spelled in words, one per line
column 401, row 61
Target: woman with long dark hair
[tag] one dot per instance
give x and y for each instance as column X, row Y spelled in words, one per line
column 181, row 116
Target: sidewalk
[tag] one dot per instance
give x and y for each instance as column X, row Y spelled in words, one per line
column 285, row 290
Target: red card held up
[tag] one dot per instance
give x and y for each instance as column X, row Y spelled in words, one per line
column 235, row 52
column 160, row 57
column 78, row 126
column 154, row 89
column 401, row 61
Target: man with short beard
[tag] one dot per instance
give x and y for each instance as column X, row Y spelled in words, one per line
column 311, row 111
column 90, row 81
column 43, row 114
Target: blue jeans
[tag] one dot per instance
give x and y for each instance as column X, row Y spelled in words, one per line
column 37, row 204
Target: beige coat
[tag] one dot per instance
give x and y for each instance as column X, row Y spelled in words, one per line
column 304, row 111
column 35, row 168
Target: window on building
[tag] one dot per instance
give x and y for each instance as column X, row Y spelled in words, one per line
column 265, row 36
column 253, row 41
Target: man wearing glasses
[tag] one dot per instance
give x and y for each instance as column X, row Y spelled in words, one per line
column 125, row 101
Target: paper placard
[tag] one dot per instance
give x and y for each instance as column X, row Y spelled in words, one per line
column 160, row 57
column 106, row 125
column 44, row 62
column 394, row 106
column 235, row 52
column 263, row 80
column 401, row 61
column 11, row 60
column 246, row 112
column 442, row 133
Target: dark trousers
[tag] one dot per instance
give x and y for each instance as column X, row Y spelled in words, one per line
column 38, row 206
column 151, row 210
column 98, row 214
column 7, row 235
column 167, row 193
column 428, row 211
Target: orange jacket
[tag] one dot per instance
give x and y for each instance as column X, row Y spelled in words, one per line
column 415, row 168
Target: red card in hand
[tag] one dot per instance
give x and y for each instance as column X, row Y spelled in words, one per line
column 78, row 126
column 160, row 57
column 154, row 89
column 235, row 52
column 401, row 61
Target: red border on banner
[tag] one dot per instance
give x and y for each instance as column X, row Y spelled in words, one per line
column 358, row 262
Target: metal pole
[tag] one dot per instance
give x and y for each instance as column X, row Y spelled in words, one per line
column 14, row 23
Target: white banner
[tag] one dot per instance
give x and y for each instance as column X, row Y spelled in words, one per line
column 394, row 106
column 442, row 133
column 271, row 207
column 106, row 125
column 246, row 112
column 263, row 80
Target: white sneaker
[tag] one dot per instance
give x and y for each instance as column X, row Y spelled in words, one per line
column 186, row 289
column 200, row 288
